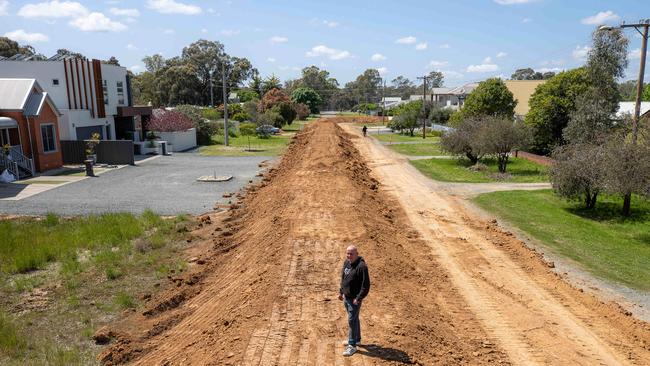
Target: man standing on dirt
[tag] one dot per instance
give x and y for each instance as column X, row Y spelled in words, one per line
column 365, row 130
column 355, row 284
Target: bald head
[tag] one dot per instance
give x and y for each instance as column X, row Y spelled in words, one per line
column 351, row 253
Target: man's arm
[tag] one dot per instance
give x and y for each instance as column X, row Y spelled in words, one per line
column 365, row 283
column 342, row 277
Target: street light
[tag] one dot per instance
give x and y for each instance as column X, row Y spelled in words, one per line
column 645, row 24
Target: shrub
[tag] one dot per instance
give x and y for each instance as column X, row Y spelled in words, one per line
column 272, row 98
column 307, row 96
column 205, row 130
column 285, row 109
column 211, row 113
column 464, row 139
column 302, row 111
column 270, row 118
column 169, row 121
column 241, row 116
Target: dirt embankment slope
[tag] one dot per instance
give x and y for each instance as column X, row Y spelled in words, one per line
column 266, row 293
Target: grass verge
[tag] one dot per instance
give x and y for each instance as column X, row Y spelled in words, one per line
column 457, row 170
column 238, row 146
column 603, row 242
column 432, row 149
column 63, row 278
column 396, row 137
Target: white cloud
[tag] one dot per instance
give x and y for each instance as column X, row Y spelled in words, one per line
column 407, row 40
column 580, row 53
column 53, row 9
column 278, row 39
column 131, row 46
column 378, row 57
column 331, row 53
column 97, row 22
column 204, row 30
column 513, row 2
column 270, row 59
column 19, row 35
column 600, row 18
column 552, row 63
column 331, row 24
column 169, row 31
column 173, row 7
column 230, row 32
column 211, row 10
column 421, row 46
column 449, row 74
column 445, row 45
column 501, row 54
column 135, row 68
column 131, row 13
column 436, row 64
column 4, row 7
column 634, row 54
column 382, row 70
column 526, row 20
column 550, row 69
column 486, row 66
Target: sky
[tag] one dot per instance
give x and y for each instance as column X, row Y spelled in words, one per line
column 467, row 40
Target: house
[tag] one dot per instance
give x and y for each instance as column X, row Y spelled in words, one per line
column 92, row 96
column 29, row 127
column 391, row 102
column 522, row 90
column 448, row 97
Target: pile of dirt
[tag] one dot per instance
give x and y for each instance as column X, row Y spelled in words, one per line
column 266, row 290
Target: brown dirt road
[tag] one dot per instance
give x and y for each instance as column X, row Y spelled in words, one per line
column 446, row 290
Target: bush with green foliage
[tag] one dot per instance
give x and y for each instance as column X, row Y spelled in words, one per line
column 440, row 115
column 248, row 130
column 270, row 117
column 307, row 96
column 272, row 98
column 241, row 117
column 205, row 130
column 211, row 113
column 407, row 117
column 286, row 110
column 464, row 139
column 246, row 95
column 490, row 98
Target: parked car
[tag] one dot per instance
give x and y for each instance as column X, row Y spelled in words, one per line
column 267, row 130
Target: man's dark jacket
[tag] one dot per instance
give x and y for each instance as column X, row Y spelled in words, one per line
column 355, row 282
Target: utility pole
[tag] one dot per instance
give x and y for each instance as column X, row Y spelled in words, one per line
column 424, row 108
column 225, row 104
column 211, row 93
column 643, row 24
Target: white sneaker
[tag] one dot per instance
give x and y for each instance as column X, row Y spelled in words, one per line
column 346, row 342
column 349, row 351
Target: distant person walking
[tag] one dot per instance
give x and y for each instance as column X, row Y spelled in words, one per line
column 365, row 130
column 355, row 284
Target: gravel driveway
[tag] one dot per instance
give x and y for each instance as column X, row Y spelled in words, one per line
column 167, row 185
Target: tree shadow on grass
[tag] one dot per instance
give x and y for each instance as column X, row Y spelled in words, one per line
column 611, row 211
column 384, row 353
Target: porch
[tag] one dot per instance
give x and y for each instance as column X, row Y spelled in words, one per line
column 12, row 157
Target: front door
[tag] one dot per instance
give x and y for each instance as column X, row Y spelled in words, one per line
column 9, row 136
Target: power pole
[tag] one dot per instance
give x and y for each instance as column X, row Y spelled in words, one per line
column 383, row 98
column 225, row 105
column 424, row 108
column 211, row 93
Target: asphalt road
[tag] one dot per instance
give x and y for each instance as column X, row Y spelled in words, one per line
column 167, row 185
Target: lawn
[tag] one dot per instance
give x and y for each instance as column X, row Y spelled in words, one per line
column 601, row 241
column 428, row 149
column 237, row 146
column 457, row 170
column 61, row 279
column 396, row 137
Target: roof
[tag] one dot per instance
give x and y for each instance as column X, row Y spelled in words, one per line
column 392, row 99
column 24, row 95
column 628, row 108
column 463, row 89
column 439, row 91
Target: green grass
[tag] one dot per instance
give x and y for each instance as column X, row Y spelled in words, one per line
column 602, row 241
column 396, row 137
column 295, row 126
column 272, row 146
column 418, row 149
column 456, row 170
column 125, row 301
column 11, row 342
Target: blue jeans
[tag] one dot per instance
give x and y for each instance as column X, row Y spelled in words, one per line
column 354, row 334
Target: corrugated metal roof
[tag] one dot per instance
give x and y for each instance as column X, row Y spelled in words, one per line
column 34, row 104
column 14, row 93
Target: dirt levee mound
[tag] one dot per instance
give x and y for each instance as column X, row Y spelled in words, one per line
column 266, row 293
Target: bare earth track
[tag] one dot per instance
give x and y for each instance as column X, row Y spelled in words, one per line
column 446, row 289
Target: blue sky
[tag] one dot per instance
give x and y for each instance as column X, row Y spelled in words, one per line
column 468, row 40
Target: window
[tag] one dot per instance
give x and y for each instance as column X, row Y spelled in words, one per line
column 105, row 88
column 47, row 135
column 120, row 93
column 55, row 82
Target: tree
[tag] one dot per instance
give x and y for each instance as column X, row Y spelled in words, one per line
column 270, row 83
column 246, row 94
column 112, row 61
column 464, row 140
column 646, row 93
column 577, row 172
column 66, row 52
column 366, row 87
column 154, row 63
column 530, row 74
column 318, row 80
column 499, row 136
column 302, row 111
column 168, row 121
column 403, row 87
column 307, row 96
column 435, row 79
column 272, row 98
column 205, row 59
column 440, row 115
column 9, row 47
column 492, row 98
column 551, row 106
column 248, row 130
column 407, row 116
column 285, row 109
column 251, row 108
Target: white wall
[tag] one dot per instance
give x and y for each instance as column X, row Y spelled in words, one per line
column 179, row 140
column 45, row 71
